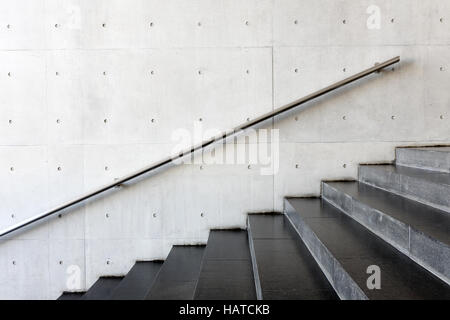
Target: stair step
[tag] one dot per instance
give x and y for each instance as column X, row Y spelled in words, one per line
column 102, row 288
column 345, row 249
column 179, row 274
column 138, row 281
column 419, row 231
column 285, row 267
column 71, row 296
column 226, row 272
column 431, row 158
column 429, row 187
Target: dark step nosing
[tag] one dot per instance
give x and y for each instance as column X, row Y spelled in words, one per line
column 226, row 259
column 67, row 295
column 264, row 214
column 226, row 229
column 377, row 163
column 201, row 245
column 340, row 280
column 428, row 252
column 436, row 145
column 311, row 196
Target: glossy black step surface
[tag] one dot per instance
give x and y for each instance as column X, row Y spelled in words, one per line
column 178, row 276
column 355, row 248
column 286, row 268
column 432, row 222
column 138, row 281
column 71, row 296
column 226, row 271
column 102, row 288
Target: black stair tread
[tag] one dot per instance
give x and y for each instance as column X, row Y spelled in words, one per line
column 138, row 281
column 102, row 288
column 427, row 175
column 71, row 296
column 179, row 274
column 286, row 268
column 356, row 248
column 226, row 272
column 430, row 221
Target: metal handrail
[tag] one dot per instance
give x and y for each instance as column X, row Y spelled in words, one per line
column 204, row 144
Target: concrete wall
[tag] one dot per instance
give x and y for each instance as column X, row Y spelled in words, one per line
column 81, row 81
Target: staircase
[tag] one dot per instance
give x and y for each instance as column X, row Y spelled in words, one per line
column 395, row 219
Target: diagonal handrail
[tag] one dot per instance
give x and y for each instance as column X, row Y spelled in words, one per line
column 204, row 144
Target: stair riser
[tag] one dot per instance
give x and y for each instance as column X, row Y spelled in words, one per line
column 423, row 159
column 343, row 284
column 432, row 194
column 431, row 254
